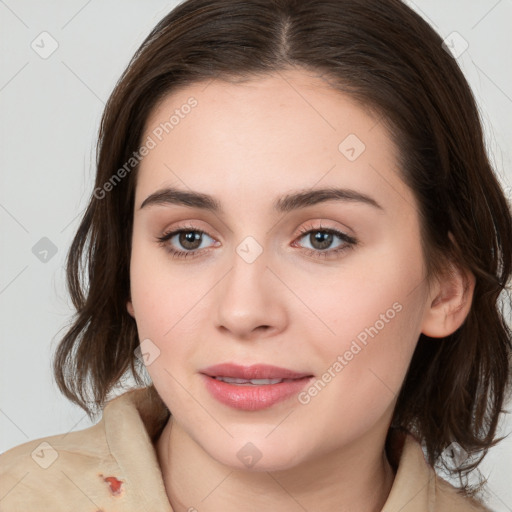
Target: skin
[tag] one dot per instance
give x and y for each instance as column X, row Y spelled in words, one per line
column 247, row 144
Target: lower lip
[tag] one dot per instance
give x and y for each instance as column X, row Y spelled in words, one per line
column 253, row 397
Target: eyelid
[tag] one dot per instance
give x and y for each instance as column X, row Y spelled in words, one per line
column 312, row 226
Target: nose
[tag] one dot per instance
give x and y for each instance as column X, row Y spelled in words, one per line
column 250, row 300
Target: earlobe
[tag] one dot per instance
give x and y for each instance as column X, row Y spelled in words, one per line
column 449, row 303
column 129, row 307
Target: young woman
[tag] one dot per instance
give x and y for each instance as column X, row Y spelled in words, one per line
column 296, row 232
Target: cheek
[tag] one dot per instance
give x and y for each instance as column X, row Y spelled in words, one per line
column 163, row 292
column 374, row 319
column 369, row 295
column 362, row 373
column 167, row 299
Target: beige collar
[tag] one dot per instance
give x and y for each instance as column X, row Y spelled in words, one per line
column 134, row 420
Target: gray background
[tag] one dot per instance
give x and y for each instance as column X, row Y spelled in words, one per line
column 50, row 112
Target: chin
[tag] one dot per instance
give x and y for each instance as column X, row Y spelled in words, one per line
column 256, row 456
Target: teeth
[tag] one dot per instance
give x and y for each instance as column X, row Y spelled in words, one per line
column 255, row 382
column 265, row 381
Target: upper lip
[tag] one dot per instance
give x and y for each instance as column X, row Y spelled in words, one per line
column 255, row 371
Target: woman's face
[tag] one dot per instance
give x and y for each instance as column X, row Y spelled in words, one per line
column 327, row 285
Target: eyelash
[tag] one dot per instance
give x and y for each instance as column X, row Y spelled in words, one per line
column 350, row 241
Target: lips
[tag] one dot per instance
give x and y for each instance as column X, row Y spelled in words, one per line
column 257, row 371
column 253, row 388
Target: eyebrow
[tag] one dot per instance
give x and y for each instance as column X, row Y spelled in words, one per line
column 286, row 203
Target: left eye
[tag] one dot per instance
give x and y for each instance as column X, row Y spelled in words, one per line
column 322, row 239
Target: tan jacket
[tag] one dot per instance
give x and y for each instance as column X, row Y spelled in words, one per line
column 112, row 466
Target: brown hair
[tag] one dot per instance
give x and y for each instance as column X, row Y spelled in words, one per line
column 390, row 60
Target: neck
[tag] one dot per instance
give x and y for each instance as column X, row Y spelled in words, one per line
column 354, row 478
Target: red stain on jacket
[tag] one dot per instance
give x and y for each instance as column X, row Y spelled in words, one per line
column 114, row 484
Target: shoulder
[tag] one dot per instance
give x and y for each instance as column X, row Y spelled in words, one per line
column 449, row 499
column 109, row 466
column 52, row 472
column 417, row 487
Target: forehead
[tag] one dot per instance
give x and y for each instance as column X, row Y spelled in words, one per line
column 268, row 103
column 287, row 130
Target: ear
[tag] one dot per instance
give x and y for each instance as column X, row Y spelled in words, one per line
column 449, row 302
column 129, row 307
